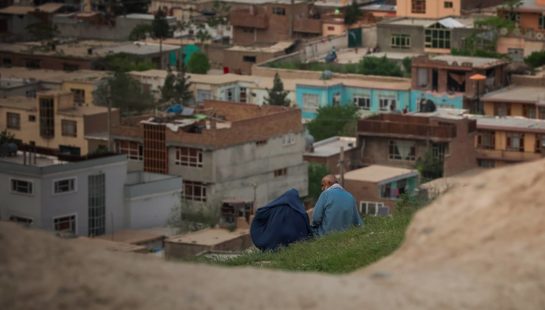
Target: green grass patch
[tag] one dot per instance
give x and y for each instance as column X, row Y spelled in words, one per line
column 335, row 253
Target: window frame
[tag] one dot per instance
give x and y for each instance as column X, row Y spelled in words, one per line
column 448, row 5
column 75, row 222
column 187, row 159
column 393, row 152
column 400, row 40
column 14, row 191
column 66, row 124
column 418, row 6
column 314, row 105
column 280, row 11
column 10, row 116
column 194, row 185
column 134, row 150
column 72, row 188
column 366, row 100
column 437, row 37
column 509, row 141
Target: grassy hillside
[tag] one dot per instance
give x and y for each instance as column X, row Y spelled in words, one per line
column 336, row 253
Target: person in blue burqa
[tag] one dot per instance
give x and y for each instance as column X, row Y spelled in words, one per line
column 281, row 222
column 335, row 210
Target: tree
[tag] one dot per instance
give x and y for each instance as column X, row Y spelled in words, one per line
column 407, row 65
column 430, row 166
column 123, row 7
column 176, row 88
column 198, row 63
column 536, row 59
column 160, row 30
column 277, row 95
column 379, row 66
column 334, row 121
column 352, row 13
column 123, row 62
column 140, row 32
column 124, row 93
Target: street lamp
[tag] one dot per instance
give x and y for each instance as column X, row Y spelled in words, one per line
column 478, row 78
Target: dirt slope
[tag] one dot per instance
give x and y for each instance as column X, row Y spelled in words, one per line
column 480, row 246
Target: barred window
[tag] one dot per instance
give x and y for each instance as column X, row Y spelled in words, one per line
column 195, row 191
column 69, row 128
column 134, row 150
column 186, row 156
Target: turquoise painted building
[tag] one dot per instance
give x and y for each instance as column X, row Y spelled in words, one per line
column 441, row 101
column 370, row 97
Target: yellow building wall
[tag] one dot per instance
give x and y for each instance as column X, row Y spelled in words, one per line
column 87, row 87
column 501, row 140
column 27, row 131
column 489, row 108
column 529, row 142
column 434, row 9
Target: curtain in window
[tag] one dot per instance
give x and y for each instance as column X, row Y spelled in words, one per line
column 404, row 148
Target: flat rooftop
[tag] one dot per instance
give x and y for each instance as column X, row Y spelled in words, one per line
column 523, row 94
column 210, row 237
column 474, row 61
column 510, row 123
column 138, row 236
column 53, row 76
column 18, row 102
column 379, row 174
column 332, row 146
column 38, row 160
column 276, row 48
column 448, row 22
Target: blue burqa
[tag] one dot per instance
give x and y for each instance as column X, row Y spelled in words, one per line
column 281, row 222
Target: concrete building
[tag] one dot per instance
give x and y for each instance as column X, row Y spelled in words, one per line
column 370, row 93
column 411, row 35
column 509, row 140
column 328, row 153
column 15, row 19
column 268, row 22
column 77, row 55
column 446, row 80
column 377, row 188
column 240, row 59
column 440, row 8
column 54, row 120
column 223, row 150
column 400, row 140
column 10, row 87
column 85, row 198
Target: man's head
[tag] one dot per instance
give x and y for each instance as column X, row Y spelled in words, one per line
column 327, row 181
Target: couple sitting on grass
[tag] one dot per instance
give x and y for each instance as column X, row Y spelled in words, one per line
column 285, row 220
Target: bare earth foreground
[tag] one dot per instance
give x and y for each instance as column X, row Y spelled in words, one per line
column 481, row 246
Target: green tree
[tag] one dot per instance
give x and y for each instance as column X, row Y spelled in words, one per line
column 352, row 13
column 315, row 174
column 140, row 32
column 123, row 62
column 160, row 30
column 379, row 66
column 176, row 88
column 198, row 63
column 430, row 166
column 277, row 95
column 536, row 59
column 124, row 93
column 407, row 65
column 334, row 121
column 6, row 137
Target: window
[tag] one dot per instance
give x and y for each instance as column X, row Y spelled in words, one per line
column 280, row 172
column 64, row 186
column 373, row 208
column 330, row 28
column 542, row 22
column 439, row 150
column 448, row 5
column 65, row 224
column 387, row 191
column 21, row 220
column 288, row 139
column 229, row 94
column 402, row 150
column 261, row 142
column 31, row 93
column 515, row 142
column 69, row 128
column 247, row 29
column 486, row 140
column 278, row 11
column 502, row 109
column 194, row 191
column 203, row 95
column 541, row 112
column 529, row 111
column 437, row 36
column 97, row 205
column 513, row 16
column 486, row 163
column 362, row 102
column 32, row 63
column 310, row 102
column 21, row 186
column 47, row 118
column 251, row 59
column 134, row 150
column 32, row 118
column 79, row 96
column 7, row 62
column 386, row 103
column 186, row 156
column 70, row 67
column 401, row 41
column 242, row 94
column 418, row 6
column 13, row 120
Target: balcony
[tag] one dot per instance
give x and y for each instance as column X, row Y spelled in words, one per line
column 247, row 19
column 505, row 155
column 307, row 25
column 405, row 126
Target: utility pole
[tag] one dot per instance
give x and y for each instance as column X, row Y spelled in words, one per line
column 109, row 99
column 341, row 165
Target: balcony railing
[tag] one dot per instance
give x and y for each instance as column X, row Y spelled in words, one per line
column 418, row 131
column 507, row 155
column 248, row 19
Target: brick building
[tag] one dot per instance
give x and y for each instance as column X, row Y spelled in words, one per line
column 400, row 140
column 225, row 150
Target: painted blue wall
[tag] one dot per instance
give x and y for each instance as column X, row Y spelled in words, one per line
column 445, row 101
